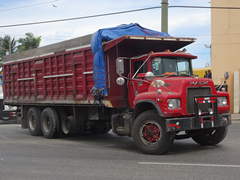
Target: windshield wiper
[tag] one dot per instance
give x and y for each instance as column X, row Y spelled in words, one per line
column 168, row 75
column 188, row 75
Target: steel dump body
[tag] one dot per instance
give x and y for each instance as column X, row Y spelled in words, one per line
column 62, row 73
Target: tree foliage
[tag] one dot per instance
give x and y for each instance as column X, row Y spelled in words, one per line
column 29, row 42
column 4, row 46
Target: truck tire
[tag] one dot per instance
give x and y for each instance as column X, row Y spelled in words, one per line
column 50, row 123
column 62, row 126
column 34, row 121
column 149, row 133
column 211, row 136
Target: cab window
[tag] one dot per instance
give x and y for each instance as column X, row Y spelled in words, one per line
column 136, row 66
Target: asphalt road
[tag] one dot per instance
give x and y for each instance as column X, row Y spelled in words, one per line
column 108, row 157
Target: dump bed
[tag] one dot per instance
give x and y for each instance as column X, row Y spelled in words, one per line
column 62, row 73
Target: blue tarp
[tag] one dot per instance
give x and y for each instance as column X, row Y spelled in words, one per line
column 99, row 73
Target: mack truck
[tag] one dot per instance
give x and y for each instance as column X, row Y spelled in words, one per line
column 144, row 89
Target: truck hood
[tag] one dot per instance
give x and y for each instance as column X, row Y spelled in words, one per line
column 180, row 83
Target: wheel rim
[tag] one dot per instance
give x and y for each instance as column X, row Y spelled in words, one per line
column 150, row 133
column 32, row 122
column 66, row 125
column 46, row 124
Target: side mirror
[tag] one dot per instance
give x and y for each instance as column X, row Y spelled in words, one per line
column 120, row 66
column 226, row 76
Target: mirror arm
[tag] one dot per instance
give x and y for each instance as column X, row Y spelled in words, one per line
column 221, row 86
column 166, row 88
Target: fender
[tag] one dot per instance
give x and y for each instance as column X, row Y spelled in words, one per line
column 153, row 103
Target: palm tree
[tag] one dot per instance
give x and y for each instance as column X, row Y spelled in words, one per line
column 4, row 47
column 29, row 42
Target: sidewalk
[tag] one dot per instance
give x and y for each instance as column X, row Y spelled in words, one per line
column 235, row 117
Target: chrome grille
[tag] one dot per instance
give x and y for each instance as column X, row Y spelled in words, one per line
column 191, row 92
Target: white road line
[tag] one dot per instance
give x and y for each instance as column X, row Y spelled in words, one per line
column 185, row 164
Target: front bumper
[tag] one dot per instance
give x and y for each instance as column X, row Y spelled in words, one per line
column 199, row 122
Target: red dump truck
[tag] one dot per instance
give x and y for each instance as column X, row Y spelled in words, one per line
column 152, row 95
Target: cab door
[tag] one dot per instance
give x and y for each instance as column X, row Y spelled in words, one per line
column 135, row 84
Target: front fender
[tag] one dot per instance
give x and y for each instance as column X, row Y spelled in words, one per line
column 141, row 105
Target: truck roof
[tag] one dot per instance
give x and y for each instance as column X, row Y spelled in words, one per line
column 167, row 54
column 144, row 44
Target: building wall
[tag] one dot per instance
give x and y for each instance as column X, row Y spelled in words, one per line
column 225, row 47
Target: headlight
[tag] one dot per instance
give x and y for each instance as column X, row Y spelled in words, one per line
column 210, row 111
column 222, row 101
column 173, row 103
column 199, row 112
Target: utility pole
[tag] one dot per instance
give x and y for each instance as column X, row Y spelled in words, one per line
column 10, row 45
column 210, row 46
column 164, row 22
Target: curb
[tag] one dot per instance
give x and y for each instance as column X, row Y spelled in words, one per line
column 235, row 117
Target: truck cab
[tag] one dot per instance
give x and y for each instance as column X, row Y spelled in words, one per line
column 167, row 99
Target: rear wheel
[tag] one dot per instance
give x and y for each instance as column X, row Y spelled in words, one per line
column 50, row 123
column 149, row 133
column 62, row 115
column 211, row 136
column 34, row 121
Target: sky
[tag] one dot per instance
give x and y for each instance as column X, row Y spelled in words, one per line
column 182, row 22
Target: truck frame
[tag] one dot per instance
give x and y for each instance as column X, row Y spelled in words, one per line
column 146, row 100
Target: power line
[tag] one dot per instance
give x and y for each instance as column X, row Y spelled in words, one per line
column 204, row 7
column 27, row 6
column 76, row 18
column 110, row 14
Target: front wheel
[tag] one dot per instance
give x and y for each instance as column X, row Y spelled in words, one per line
column 149, row 133
column 211, row 136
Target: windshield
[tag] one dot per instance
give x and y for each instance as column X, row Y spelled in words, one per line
column 162, row 66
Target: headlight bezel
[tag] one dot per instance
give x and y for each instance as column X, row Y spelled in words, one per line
column 222, row 101
column 173, row 103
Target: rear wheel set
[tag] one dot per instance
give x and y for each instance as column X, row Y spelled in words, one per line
column 46, row 123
